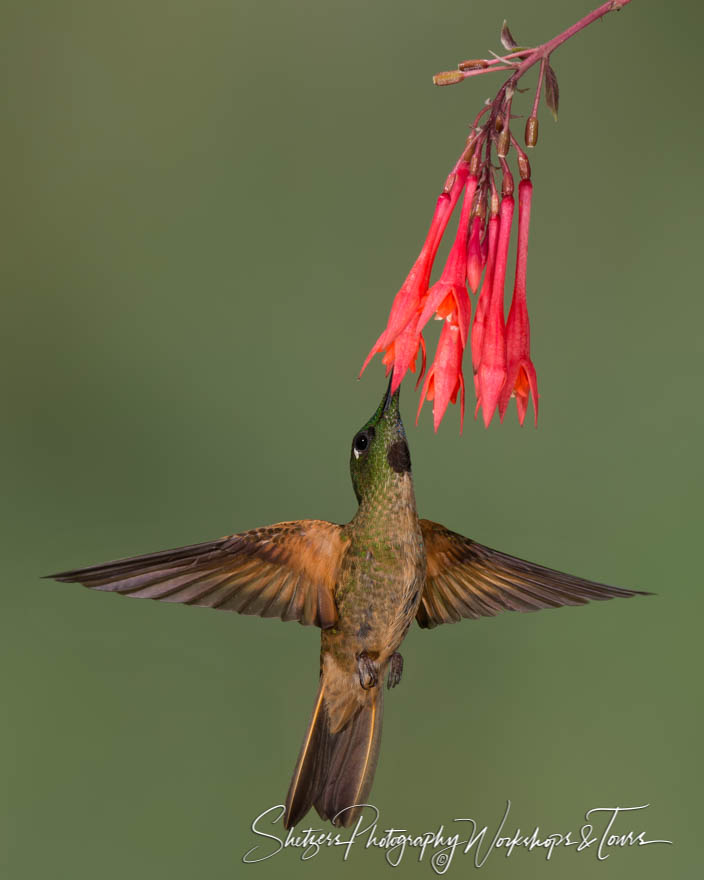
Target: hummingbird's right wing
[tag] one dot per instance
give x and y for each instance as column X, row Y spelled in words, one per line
column 465, row 579
column 287, row 570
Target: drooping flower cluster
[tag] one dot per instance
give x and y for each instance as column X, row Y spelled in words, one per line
column 500, row 350
column 481, row 179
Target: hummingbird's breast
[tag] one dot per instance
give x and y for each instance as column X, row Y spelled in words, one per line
column 379, row 586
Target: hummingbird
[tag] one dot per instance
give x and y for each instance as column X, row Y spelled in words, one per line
column 363, row 584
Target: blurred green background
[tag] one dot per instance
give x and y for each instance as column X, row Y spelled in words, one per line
column 208, row 208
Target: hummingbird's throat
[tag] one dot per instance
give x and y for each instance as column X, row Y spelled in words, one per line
column 399, row 457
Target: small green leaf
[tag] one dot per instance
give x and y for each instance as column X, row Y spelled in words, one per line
column 507, row 40
column 552, row 90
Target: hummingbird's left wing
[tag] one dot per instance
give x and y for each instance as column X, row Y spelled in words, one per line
column 287, row 570
column 465, row 579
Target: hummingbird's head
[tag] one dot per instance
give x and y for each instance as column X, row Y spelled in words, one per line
column 379, row 449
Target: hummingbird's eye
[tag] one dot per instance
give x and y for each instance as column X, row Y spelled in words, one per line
column 360, row 443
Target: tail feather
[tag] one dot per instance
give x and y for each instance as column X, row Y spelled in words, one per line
column 355, row 752
column 335, row 771
column 312, row 760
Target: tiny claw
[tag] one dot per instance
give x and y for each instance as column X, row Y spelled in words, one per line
column 395, row 670
column 367, row 670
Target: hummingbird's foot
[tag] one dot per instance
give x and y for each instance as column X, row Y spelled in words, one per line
column 368, row 671
column 395, row 670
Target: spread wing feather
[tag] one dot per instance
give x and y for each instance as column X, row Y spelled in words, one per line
column 465, row 579
column 287, row 570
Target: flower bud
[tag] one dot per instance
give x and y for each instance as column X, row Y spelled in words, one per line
column 475, row 164
column 506, row 181
column 448, row 77
column 472, row 64
column 469, row 153
column 531, row 135
column 523, row 164
column 503, row 142
column 449, row 182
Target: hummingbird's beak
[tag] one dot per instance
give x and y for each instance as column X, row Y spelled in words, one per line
column 388, row 408
column 390, row 398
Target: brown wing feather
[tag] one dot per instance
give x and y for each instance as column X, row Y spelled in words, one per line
column 287, row 570
column 468, row 580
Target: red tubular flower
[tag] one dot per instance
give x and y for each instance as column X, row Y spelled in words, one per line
column 485, row 247
column 521, row 379
column 408, row 301
column 408, row 298
column 492, row 365
column 448, row 296
column 445, row 380
column 491, row 238
column 500, row 346
column 404, row 350
column 475, row 258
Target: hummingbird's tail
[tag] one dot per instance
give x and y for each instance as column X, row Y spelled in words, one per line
column 335, row 771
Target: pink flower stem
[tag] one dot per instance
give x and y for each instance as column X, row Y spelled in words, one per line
column 548, row 48
column 532, row 56
column 523, row 162
column 529, row 57
column 478, row 71
column 479, row 116
column 541, row 77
